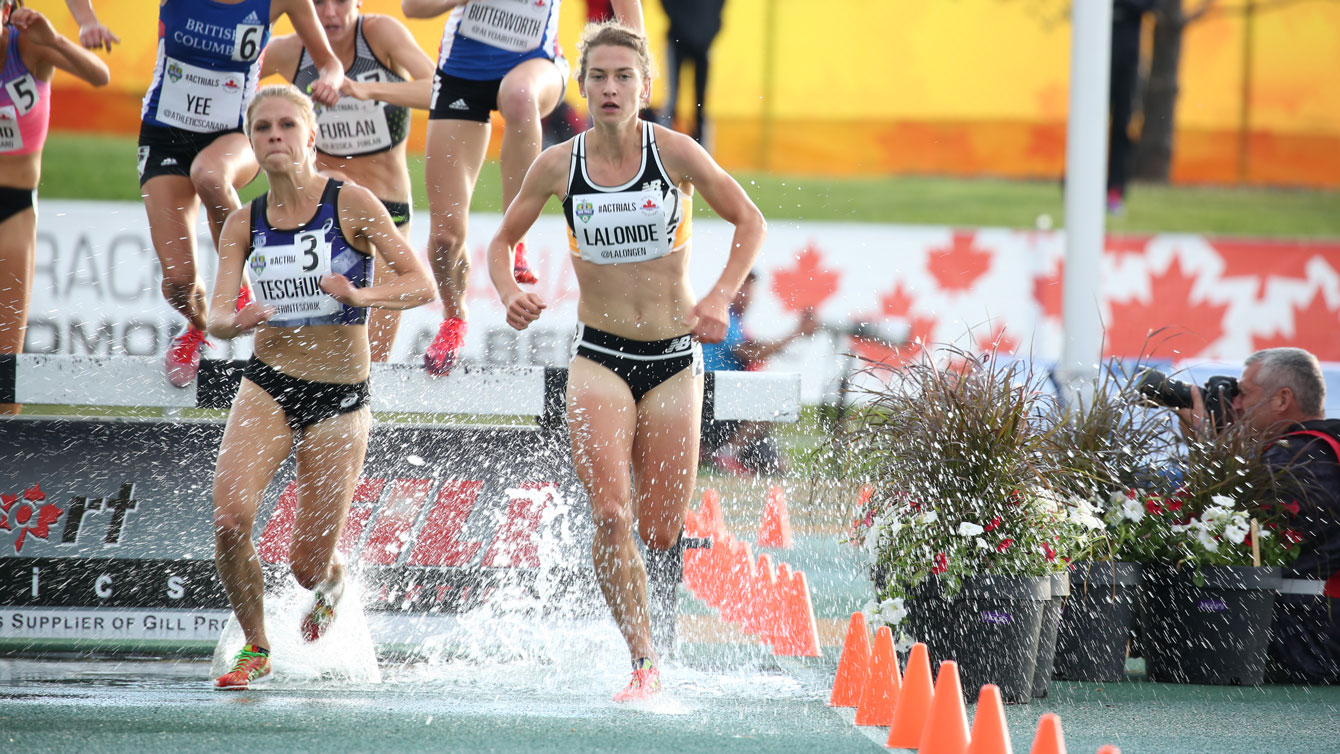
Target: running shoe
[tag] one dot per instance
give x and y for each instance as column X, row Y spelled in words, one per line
column 445, row 349
column 251, row 665
column 521, row 268
column 243, row 298
column 322, row 613
column 646, row 682
column 183, row 356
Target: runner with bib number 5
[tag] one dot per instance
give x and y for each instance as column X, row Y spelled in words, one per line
column 191, row 147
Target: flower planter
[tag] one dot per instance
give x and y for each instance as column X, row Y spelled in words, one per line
column 1096, row 622
column 990, row 628
column 1213, row 634
column 1051, row 620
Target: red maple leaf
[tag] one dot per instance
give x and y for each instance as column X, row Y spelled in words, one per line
column 998, row 341
column 1047, row 291
column 34, row 493
column 7, row 500
column 1314, row 328
column 891, row 357
column 895, row 303
column 807, row 285
column 1118, row 245
column 958, row 266
column 46, row 516
column 1168, row 325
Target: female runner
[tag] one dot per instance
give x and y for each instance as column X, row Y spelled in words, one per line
column 191, row 147
column 308, row 245
column 635, row 383
column 495, row 55
column 362, row 141
column 32, row 51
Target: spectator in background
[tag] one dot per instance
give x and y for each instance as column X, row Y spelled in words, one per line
column 1126, row 18
column 694, row 25
column 744, row 447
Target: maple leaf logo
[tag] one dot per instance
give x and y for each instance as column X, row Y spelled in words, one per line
column 1314, row 328
column 1047, row 291
column 807, row 285
column 1179, row 327
column 896, row 303
column 960, row 265
column 1263, row 259
column 19, row 509
column 998, row 341
column 884, row 357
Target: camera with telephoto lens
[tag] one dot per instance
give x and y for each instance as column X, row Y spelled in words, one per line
column 1218, row 393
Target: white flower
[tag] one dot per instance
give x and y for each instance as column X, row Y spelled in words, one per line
column 1223, row 501
column 1237, row 528
column 1131, row 510
column 1206, row 538
column 903, row 643
column 969, row 529
column 892, row 612
column 982, row 544
column 1215, row 516
column 1117, row 498
column 930, row 517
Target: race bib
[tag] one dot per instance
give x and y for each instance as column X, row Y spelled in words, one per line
column 199, row 99
column 11, row 140
column 353, row 126
column 247, row 42
column 23, row 92
column 627, row 226
column 512, row 25
column 288, row 278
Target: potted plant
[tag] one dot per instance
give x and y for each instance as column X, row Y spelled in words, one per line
column 962, row 531
column 1214, row 549
column 1106, row 443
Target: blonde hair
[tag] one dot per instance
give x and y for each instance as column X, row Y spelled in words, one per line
column 613, row 33
column 285, row 92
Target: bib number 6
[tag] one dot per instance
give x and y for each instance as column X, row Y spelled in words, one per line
column 248, row 41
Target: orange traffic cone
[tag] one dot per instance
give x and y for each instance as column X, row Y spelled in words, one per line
column 739, row 579
column 989, row 734
column 879, row 695
column 946, row 729
column 710, row 516
column 1048, row 739
column 762, row 613
column 914, row 703
column 775, row 528
column 853, row 664
column 1108, row 749
column 799, row 634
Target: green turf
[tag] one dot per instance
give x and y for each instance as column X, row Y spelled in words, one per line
column 100, row 167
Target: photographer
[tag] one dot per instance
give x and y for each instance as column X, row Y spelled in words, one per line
column 743, row 447
column 1281, row 394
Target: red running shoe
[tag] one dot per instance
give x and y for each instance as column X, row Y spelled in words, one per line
column 445, row 349
column 521, row 268
column 646, row 683
column 243, row 298
column 250, row 666
column 183, row 356
column 322, row 613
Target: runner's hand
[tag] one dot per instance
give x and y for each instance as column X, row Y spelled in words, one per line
column 351, row 88
column 340, row 289
column 523, row 308
column 251, row 315
column 326, row 89
column 34, row 25
column 95, row 35
column 709, row 320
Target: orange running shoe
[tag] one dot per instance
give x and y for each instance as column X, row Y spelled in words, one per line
column 243, row 298
column 322, row 613
column 445, row 349
column 183, row 356
column 646, row 682
column 521, row 268
column 250, row 666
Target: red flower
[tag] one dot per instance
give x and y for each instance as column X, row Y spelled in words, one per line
column 1047, row 548
column 1154, row 506
column 1292, row 507
column 1293, row 536
column 941, row 564
column 993, row 524
column 1015, row 497
column 1174, row 505
column 1004, row 545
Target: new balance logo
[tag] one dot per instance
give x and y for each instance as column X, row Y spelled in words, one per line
column 682, row 343
column 458, row 105
column 251, row 18
column 168, row 161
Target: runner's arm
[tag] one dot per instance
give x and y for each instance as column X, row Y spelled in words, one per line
column 417, row 93
column 224, row 321
column 281, row 57
column 544, row 179
column 364, row 219
column 427, row 8
column 391, row 41
column 92, row 34
column 302, row 14
column 629, row 13
column 51, row 50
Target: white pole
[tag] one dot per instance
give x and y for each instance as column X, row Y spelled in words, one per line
column 1085, row 189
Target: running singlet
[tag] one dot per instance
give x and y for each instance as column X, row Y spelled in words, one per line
column 25, row 104
column 646, row 218
column 286, row 266
column 356, row 127
column 208, row 63
column 484, row 39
